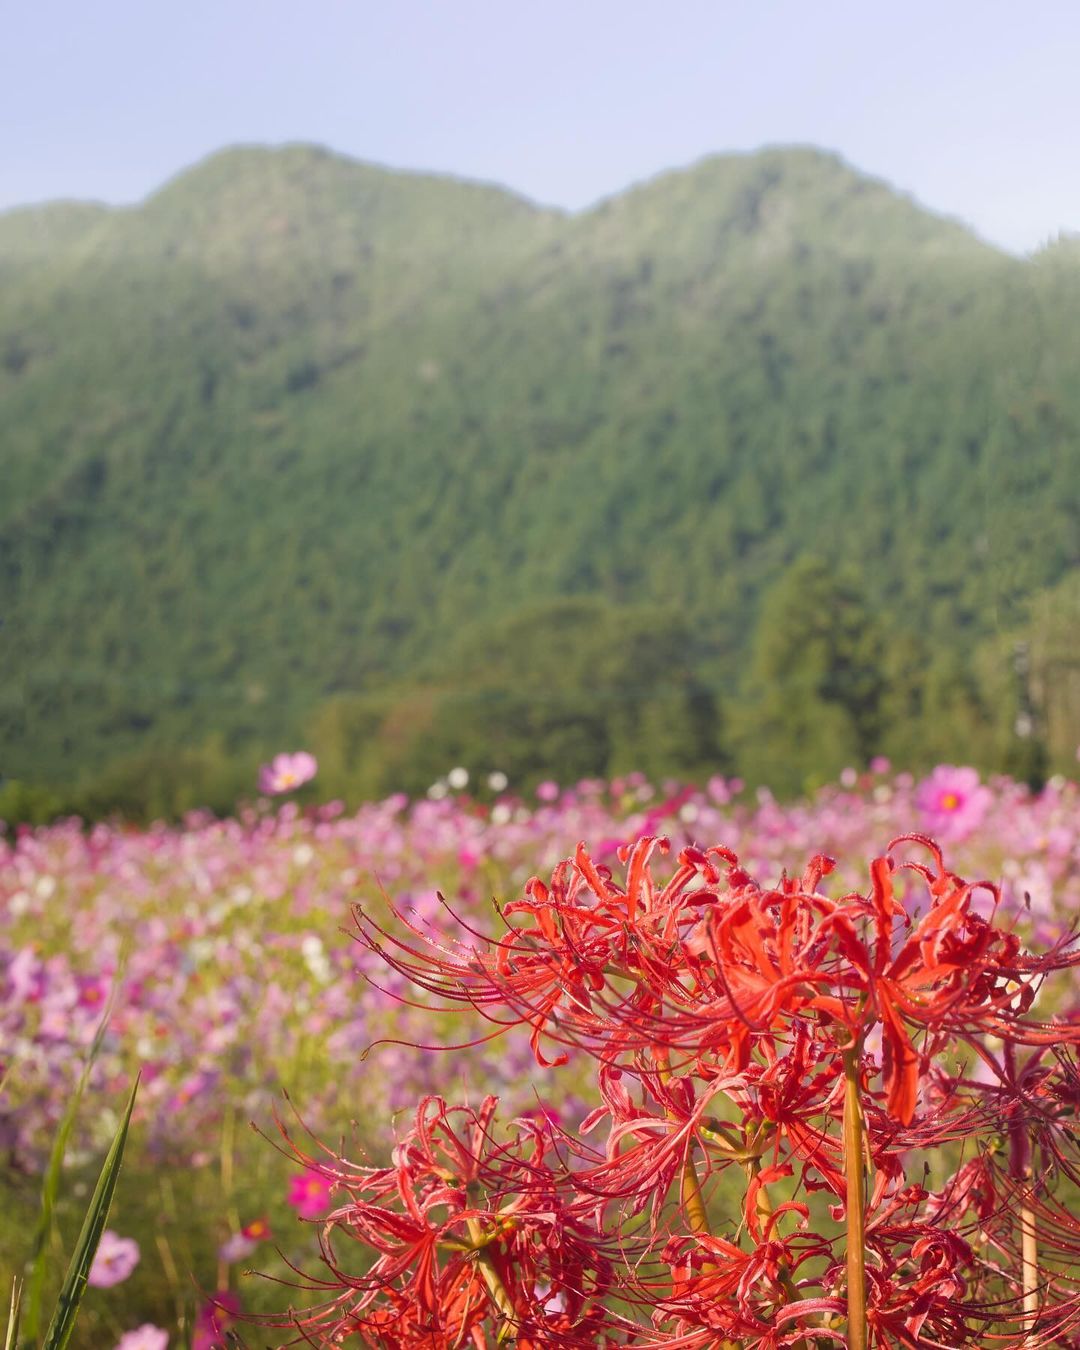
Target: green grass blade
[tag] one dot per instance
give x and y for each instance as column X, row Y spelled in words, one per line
column 11, row 1337
column 50, row 1187
column 67, row 1305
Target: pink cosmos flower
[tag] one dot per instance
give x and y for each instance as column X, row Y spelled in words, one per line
column 236, row 1247
column 214, row 1319
column 953, row 802
column 309, row 1193
column 547, row 791
column 26, row 976
column 240, row 1245
column 146, row 1337
column 114, row 1260
column 719, row 789
column 92, row 992
column 286, row 772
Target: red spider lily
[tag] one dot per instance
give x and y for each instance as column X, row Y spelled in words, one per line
column 795, row 1097
column 712, row 963
column 930, row 1287
column 778, row 1030
column 468, row 1232
column 955, row 974
column 941, row 1266
column 722, row 1293
column 582, row 933
column 1033, row 1103
column 649, row 1150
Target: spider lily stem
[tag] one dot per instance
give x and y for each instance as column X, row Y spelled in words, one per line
column 763, row 1205
column 855, row 1204
column 1029, row 1268
column 495, row 1286
column 693, row 1203
column 692, row 1200
column 763, row 1201
column 1020, row 1166
column 1029, row 1237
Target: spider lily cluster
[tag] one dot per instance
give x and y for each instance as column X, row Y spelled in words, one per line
column 872, row 1070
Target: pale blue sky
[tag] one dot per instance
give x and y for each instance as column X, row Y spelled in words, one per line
column 973, row 107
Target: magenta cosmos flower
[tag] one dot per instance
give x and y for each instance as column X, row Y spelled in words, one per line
column 114, row 1260
column 953, row 802
column 309, row 1193
column 285, row 772
column 146, row 1337
column 214, row 1319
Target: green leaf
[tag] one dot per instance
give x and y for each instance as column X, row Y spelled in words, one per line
column 67, row 1305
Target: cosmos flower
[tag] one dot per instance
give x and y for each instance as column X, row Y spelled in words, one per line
column 309, row 1193
column 214, row 1319
column 92, row 993
column 286, row 772
column 146, row 1337
column 239, row 1246
column 236, row 1247
column 114, row 1260
column 953, row 802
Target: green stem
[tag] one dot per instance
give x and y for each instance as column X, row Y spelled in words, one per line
column 856, row 1205
column 499, row 1296
column 764, row 1207
column 692, row 1199
column 693, row 1203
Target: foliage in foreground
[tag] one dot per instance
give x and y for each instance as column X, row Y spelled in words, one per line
column 25, row 1311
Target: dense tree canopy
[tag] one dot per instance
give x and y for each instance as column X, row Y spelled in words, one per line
column 301, row 447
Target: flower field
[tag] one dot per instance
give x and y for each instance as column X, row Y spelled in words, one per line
column 222, row 958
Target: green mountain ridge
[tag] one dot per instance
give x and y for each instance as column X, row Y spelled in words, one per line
column 299, row 429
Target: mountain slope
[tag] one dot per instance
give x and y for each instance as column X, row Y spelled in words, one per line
column 297, row 426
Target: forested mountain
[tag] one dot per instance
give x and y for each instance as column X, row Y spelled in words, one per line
column 289, row 450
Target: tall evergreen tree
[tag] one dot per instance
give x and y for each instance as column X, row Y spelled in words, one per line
column 815, row 690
